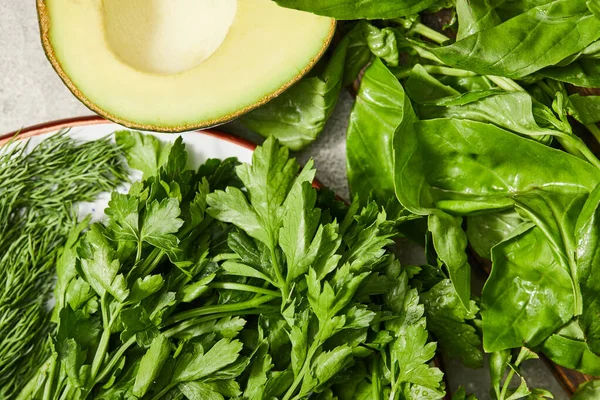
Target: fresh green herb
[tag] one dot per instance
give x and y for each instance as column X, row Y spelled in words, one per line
column 197, row 288
column 380, row 95
column 539, row 37
column 39, row 186
column 586, row 109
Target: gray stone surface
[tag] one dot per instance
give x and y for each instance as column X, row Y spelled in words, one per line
column 31, row 93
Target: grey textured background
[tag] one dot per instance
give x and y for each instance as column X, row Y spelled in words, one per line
column 31, row 93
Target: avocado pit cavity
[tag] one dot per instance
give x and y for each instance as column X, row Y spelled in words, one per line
column 166, row 36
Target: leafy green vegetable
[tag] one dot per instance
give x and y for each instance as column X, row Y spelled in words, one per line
column 144, row 152
column 528, row 295
column 567, row 347
column 475, row 150
column 587, row 108
column 358, row 54
column 489, row 147
column 486, row 231
column 121, row 268
column 188, row 292
column 151, row 364
column 587, row 237
column 482, row 150
column 410, row 376
column 369, row 9
column 381, row 99
column 538, row 38
column 278, row 214
column 382, row 43
column 584, row 72
column 424, row 88
column 476, row 16
column 450, row 242
column 513, row 111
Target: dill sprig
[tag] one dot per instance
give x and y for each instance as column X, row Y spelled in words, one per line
column 38, row 188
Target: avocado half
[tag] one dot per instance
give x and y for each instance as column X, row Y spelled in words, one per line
column 177, row 65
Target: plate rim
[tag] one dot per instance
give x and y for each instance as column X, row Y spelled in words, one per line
column 87, row 120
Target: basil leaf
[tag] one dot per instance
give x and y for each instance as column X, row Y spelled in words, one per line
column 380, row 107
column 568, row 348
column 587, row 108
column 365, row 9
column 584, row 72
column 538, row 38
column 528, row 295
column 486, row 231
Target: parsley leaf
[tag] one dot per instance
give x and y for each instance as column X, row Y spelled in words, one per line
column 143, row 152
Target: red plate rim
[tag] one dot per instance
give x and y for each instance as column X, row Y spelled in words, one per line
column 59, row 124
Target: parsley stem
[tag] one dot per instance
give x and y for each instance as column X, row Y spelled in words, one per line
column 50, row 379
column 138, row 255
column 104, row 307
column 198, row 312
column 282, row 283
column 114, row 360
column 150, row 262
column 375, row 380
column 243, row 288
column 395, row 389
column 101, row 351
column 165, row 390
column 196, row 321
column 307, row 361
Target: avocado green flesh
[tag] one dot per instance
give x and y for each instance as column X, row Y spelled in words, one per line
column 265, row 49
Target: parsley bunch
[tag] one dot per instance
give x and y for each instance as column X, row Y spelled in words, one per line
column 229, row 282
